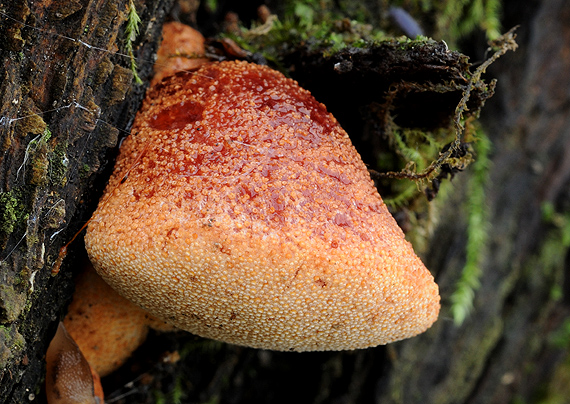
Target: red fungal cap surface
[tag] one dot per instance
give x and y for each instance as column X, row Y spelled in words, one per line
column 247, row 216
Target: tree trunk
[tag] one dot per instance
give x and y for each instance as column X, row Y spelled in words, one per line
column 65, row 95
column 504, row 351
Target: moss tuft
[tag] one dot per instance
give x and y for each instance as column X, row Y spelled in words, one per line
column 58, row 166
column 12, row 344
column 131, row 33
column 12, row 211
column 477, row 233
column 454, row 20
column 8, row 212
column 309, row 22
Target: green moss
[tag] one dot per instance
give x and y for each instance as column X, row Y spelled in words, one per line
column 201, row 345
column 32, row 173
column 547, row 267
column 452, row 156
column 12, row 344
column 552, row 254
column 12, row 302
column 477, row 232
column 310, row 22
column 347, row 23
column 557, row 390
column 58, row 165
column 8, row 212
column 12, row 211
column 212, row 5
column 456, row 19
column 561, row 337
column 131, row 33
column 174, row 396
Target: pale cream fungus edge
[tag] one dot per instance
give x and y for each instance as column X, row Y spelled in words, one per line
column 240, row 211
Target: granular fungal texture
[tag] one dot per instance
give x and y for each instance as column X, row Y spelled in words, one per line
column 239, row 210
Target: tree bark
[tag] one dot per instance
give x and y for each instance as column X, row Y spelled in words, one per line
column 66, row 93
column 502, row 352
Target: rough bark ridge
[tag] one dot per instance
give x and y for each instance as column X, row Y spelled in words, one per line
column 65, row 95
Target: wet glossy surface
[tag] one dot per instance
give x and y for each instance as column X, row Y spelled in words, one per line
column 275, row 155
column 248, row 216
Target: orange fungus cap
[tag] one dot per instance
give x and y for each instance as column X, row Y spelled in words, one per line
column 247, row 216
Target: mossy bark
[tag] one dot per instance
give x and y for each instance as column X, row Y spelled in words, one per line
column 65, row 95
column 501, row 353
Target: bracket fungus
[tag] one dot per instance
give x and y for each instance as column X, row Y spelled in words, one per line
column 106, row 327
column 240, row 211
column 69, row 377
column 180, row 49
